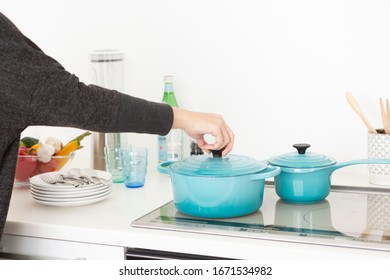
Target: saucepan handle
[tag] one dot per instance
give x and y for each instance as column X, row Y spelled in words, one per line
column 271, row 171
column 361, row 161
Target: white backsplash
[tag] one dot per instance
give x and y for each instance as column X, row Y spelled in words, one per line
column 276, row 70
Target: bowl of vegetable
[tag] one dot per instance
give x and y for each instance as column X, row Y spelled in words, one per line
column 36, row 157
column 28, row 166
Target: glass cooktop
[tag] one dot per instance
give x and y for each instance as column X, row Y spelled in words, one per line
column 353, row 217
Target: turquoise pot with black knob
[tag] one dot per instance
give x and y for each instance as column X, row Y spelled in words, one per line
column 305, row 177
column 219, row 187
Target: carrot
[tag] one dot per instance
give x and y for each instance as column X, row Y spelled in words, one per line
column 72, row 145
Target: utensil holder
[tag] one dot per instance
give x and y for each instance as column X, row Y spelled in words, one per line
column 378, row 146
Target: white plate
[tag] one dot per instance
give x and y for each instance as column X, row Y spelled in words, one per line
column 70, row 200
column 74, row 194
column 59, row 199
column 68, row 189
column 37, row 181
column 72, row 203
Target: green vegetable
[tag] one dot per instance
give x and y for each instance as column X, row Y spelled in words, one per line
column 29, row 141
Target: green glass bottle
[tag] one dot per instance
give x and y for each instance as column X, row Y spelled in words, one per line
column 169, row 94
column 170, row 145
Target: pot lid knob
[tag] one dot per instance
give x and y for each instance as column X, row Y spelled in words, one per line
column 217, row 153
column 301, row 148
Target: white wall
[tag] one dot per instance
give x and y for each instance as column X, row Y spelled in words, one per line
column 276, row 70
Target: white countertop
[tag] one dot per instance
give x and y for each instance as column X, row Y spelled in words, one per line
column 108, row 222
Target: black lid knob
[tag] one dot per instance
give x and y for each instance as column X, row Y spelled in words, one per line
column 217, row 153
column 301, row 147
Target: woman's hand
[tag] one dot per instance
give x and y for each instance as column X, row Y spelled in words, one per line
column 197, row 125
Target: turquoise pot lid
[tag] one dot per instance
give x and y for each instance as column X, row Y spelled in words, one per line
column 302, row 159
column 207, row 165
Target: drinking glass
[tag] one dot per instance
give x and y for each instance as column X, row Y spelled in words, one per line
column 112, row 156
column 134, row 164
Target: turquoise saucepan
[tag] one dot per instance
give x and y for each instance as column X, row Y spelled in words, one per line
column 305, row 177
column 210, row 187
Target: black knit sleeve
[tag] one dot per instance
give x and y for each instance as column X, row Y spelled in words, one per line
column 37, row 90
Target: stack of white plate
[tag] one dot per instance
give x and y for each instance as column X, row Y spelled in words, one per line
column 62, row 194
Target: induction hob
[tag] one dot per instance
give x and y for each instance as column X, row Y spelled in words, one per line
column 352, row 217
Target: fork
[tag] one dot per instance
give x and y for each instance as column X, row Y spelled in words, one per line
column 54, row 178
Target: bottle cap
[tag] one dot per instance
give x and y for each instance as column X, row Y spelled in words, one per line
column 168, row 79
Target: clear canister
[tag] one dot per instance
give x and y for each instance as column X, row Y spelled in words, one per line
column 107, row 70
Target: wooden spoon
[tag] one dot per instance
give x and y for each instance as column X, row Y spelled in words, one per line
column 356, row 107
column 385, row 115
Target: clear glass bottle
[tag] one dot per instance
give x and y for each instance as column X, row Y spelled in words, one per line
column 170, row 146
column 107, row 70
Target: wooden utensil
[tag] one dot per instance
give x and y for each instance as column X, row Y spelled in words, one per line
column 356, row 107
column 385, row 113
column 388, row 110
